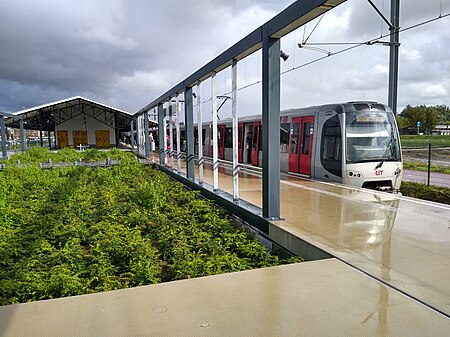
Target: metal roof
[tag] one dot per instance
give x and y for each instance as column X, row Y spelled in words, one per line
column 45, row 117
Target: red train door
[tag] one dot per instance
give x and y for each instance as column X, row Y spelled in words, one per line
column 222, row 141
column 240, row 142
column 306, row 144
column 301, row 144
column 255, row 142
column 294, row 145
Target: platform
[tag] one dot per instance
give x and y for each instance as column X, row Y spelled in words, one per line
column 401, row 241
column 320, row 298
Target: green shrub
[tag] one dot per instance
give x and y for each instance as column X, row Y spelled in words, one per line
column 79, row 230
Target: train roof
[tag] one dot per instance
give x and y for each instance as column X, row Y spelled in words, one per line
column 338, row 107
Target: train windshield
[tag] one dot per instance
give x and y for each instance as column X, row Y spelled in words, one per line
column 371, row 136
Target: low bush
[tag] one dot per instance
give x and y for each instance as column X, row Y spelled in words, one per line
column 78, row 230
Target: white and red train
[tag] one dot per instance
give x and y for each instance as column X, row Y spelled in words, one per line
column 354, row 143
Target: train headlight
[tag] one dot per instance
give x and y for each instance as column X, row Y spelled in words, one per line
column 354, row 174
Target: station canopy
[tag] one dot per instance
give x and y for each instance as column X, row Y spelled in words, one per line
column 46, row 117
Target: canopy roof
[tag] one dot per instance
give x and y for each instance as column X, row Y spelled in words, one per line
column 46, row 117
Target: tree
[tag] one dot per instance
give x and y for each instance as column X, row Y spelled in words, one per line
column 427, row 116
column 443, row 114
column 403, row 122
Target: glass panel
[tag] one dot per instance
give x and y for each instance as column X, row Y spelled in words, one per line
column 371, row 136
column 306, row 137
column 284, row 137
column 331, row 158
column 255, row 133
column 229, row 137
column 295, row 133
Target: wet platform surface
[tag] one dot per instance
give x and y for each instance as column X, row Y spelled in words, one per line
column 401, row 241
column 319, row 298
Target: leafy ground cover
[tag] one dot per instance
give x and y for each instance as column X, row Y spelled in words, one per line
column 79, row 230
column 41, row 155
column 421, row 191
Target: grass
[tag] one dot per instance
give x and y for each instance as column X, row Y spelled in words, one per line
column 421, row 191
column 410, row 141
column 424, row 167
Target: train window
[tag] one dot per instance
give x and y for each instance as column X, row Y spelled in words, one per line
column 255, row 133
column 284, row 137
column 331, row 156
column 306, row 137
column 295, row 135
column 229, row 137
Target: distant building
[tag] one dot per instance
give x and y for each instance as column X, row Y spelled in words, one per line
column 441, row 130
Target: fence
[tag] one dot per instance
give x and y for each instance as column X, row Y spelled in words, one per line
column 427, row 165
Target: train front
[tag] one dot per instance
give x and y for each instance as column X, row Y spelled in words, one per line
column 372, row 148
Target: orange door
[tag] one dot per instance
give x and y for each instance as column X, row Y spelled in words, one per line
column 63, row 138
column 102, row 138
column 79, row 137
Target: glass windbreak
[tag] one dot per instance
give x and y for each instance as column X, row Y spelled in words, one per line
column 371, row 136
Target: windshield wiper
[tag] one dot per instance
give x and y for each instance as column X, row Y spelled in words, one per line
column 388, row 147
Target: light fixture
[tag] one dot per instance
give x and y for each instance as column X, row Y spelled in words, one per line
column 283, row 55
column 382, row 43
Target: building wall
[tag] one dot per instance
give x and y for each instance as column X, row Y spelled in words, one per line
column 89, row 124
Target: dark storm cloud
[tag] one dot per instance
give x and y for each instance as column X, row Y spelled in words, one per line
column 91, row 46
column 126, row 53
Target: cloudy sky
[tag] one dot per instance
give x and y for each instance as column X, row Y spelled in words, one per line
column 126, row 53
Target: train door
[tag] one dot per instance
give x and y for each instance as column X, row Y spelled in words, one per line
column 240, row 142
column 306, row 144
column 222, row 141
column 301, row 144
column 255, row 142
column 294, row 146
column 247, row 154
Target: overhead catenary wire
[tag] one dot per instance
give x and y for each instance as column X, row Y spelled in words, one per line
column 364, row 43
column 353, row 45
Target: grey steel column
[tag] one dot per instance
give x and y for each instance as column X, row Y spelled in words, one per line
column 214, row 132
column 189, row 123
column 132, row 134
column 235, row 130
column 200, row 134
column 165, row 134
column 177, row 129
column 146, row 135
column 22, row 137
column 170, row 108
column 41, row 137
column 138, row 130
column 271, row 125
column 3, row 134
column 161, row 138
column 393, row 55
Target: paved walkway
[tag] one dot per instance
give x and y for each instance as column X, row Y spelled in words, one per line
column 436, row 179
